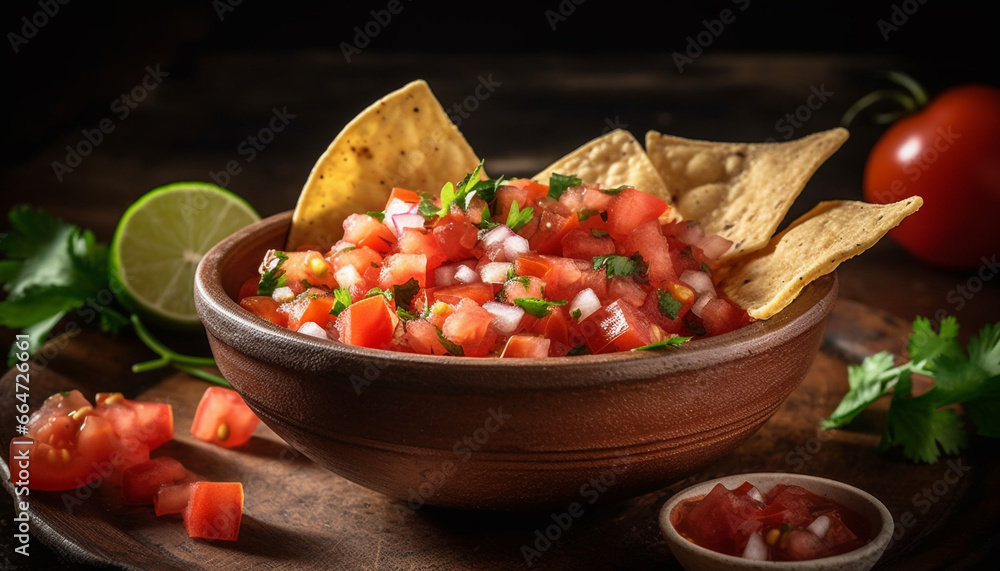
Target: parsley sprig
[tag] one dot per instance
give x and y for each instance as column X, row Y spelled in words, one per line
column 920, row 424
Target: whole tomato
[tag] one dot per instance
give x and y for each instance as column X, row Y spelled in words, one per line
column 949, row 154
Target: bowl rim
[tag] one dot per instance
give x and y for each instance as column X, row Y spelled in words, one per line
column 873, row 548
column 813, row 305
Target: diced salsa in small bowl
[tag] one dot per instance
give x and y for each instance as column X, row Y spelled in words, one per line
column 752, row 520
column 504, row 268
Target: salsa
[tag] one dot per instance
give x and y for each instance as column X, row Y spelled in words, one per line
column 789, row 523
column 504, row 268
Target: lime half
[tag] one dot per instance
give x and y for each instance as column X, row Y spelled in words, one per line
column 160, row 240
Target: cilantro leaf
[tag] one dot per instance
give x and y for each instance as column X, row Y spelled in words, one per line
column 380, row 216
column 984, row 349
column 615, row 190
column 450, row 346
column 273, row 276
column 620, row 266
column 920, row 427
column 558, row 183
column 342, row 295
column 868, row 382
column 517, row 218
column 668, row 305
column 985, row 409
column 537, row 306
column 926, row 345
column 668, row 342
column 404, row 293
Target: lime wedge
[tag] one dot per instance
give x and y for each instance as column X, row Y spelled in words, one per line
column 160, row 240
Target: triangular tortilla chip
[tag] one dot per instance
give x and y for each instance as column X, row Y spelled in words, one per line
column 405, row 139
column 611, row 160
column 765, row 281
column 740, row 191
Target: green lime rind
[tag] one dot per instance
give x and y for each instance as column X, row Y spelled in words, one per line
column 160, row 240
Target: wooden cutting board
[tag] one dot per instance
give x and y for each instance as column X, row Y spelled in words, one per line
column 298, row 515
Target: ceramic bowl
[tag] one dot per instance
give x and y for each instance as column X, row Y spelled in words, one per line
column 502, row 434
column 696, row 558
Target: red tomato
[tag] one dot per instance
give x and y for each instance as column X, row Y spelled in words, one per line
column 526, row 347
column 223, row 418
column 265, row 306
column 172, row 498
column 140, row 483
column 149, row 423
column 214, row 510
column 947, row 154
column 370, row 322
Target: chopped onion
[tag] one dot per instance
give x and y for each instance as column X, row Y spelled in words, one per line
column 756, row 549
column 820, row 526
column 701, row 302
column 586, row 301
column 444, row 275
column 313, row 329
column 699, row 281
column 506, row 317
column 495, row 272
column 466, row 275
column 407, row 220
column 493, row 242
column 714, row 246
column 282, row 294
column 514, row 246
column 347, row 276
column 396, row 206
column 754, row 494
column 692, row 234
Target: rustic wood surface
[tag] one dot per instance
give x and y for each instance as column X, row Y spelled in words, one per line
column 300, row 516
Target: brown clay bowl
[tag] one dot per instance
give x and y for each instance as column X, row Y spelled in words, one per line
column 502, row 434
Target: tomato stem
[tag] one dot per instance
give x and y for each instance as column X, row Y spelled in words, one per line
column 916, row 90
column 914, row 98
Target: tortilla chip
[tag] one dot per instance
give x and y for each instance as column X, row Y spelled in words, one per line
column 766, row 281
column 404, row 140
column 611, row 160
column 739, row 191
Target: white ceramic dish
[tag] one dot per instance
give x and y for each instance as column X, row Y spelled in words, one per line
column 696, row 558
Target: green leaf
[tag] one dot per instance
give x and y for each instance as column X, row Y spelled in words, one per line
column 581, row 349
column 558, row 183
column 40, row 252
column 536, row 306
column 620, row 266
column 451, row 347
column 984, row 349
column 274, row 277
column 39, row 303
column 668, row 305
column 517, row 218
column 985, row 409
column 920, row 427
column 342, row 295
column 616, row 190
column 404, row 293
column 37, row 333
column 669, row 342
column 868, row 382
column 926, row 345
column 576, row 314
column 380, row 216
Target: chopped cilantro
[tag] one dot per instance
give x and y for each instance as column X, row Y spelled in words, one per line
column 669, row 342
column 668, row 305
column 404, row 293
column 451, row 347
column 380, row 216
column 558, row 183
column 517, row 218
column 511, row 274
column 576, row 314
column 274, row 276
column 537, row 307
column 921, row 424
column 706, row 268
column 405, row 315
column 620, row 266
column 616, row 190
column 581, row 349
column 585, row 214
column 342, row 295
column 598, row 233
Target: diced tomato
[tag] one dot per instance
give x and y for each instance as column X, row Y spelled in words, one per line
column 617, row 326
column 582, row 244
column 478, row 292
column 264, row 306
column 522, row 286
column 397, row 269
column 361, row 258
column 649, row 243
column 172, row 498
column 303, row 270
column 248, row 288
column 714, row 521
column 370, row 322
column 407, row 196
column 626, row 289
column 721, row 316
column 631, row 208
column 223, row 418
column 457, row 237
column 471, row 328
column 365, row 230
column 535, row 191
column 552, row 228
column 314, row 309
column 684, row 257
column 422, row 337
column 214, row 510
column 526, row 347
column 141, row 482
column 150, row 423
column 679, row 293
column 420, row 241
column 525, row 191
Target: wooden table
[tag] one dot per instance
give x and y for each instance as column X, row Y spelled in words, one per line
column 193, row 122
